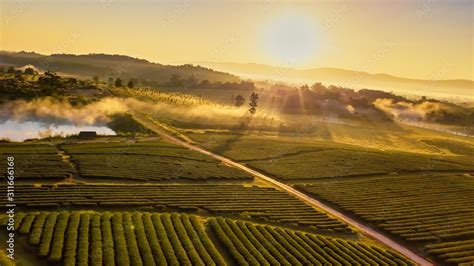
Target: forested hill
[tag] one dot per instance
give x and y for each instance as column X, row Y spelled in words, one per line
column 105, row 66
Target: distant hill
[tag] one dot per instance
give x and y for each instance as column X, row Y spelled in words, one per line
column 459, row 88
column 105, row 66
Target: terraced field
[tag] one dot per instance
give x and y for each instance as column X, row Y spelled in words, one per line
column 35, row 161
column 144, row 238
column 252, row 244
column 430, row 212
column 434, row 212
column 4, row 260
column 263, row 203
column 306, row 159
column 119, row 238
column 145, row 161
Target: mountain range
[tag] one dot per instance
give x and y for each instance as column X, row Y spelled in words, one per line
column 105, row 66
column 453, row 88
column 126, row 67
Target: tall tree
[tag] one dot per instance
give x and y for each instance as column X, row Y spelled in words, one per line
column 253, row 103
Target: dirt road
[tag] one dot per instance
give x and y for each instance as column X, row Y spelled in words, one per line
column 313, row 202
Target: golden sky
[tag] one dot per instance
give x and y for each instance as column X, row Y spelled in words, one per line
column 418, row 39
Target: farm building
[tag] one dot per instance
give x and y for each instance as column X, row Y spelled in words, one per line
column 87, row 134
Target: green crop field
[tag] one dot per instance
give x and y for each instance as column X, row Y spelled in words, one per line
column 4, row 260
column 296, row 159
column 119, row 238
column 252, row 244
column 142, row 161
column 434, row 212
column 35, row 161
column 263, row 203
column 144, row 238
column 236, row 133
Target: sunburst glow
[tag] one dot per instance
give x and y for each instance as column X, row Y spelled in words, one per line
column 291, row 39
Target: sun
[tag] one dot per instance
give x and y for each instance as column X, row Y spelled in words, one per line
column 290, row 39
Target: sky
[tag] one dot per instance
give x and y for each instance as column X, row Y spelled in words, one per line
column 425, row 39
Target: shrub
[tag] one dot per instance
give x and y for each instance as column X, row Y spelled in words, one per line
column 58, row 238
column 165, row 242
column 47, row 234
column 153, row 239
column 96, row 241
column 83, row 243
column 142, row 240
column 131, row 240
column 35, row 235
column 120, row 243
column 71, row 239
column 174, row 239
column 27, row 222
column 108, row 239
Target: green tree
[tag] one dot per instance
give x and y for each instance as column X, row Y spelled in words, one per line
column 191, row 81
column 30, row 71
column 130, row 84
column 11, row 70
column 239, row 100
column 176, row 80
column 118, row 82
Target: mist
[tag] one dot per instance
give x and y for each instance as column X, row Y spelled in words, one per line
column 54, row 111
column 411, row 111
column 51, row 111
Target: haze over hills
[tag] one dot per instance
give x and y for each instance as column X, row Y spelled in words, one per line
column 126, row 67
column 105, row 66
column 460, row 89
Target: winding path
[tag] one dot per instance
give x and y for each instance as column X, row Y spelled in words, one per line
column 311, row 201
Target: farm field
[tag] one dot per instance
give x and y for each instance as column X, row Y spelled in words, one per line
column 302, row 159
column 130, row 161
column 230, row 193
column 181, row 132
column 146, row 161
column 36, row 161
column 262, row 244
column 432, row 212
column 250, row 202
column 103, row 176
column 144, row 238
